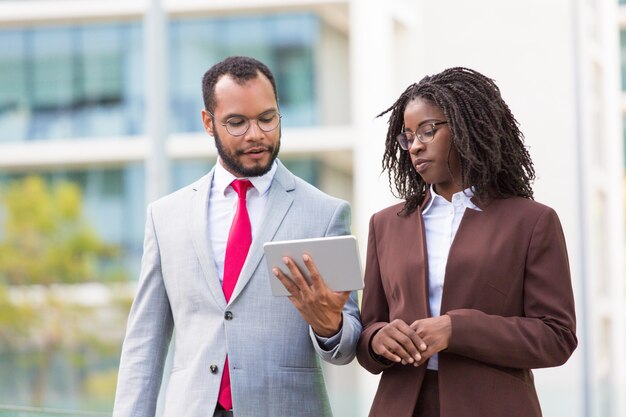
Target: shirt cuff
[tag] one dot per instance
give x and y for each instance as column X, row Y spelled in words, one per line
column 329, row 343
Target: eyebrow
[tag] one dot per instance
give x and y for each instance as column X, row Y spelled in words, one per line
column 231, row 115
column 427, row 121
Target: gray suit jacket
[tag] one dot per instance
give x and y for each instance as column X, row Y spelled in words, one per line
column 273, row 354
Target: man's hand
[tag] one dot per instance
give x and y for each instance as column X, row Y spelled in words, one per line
column 435, row 332
column 319, row 305
column 398, row 342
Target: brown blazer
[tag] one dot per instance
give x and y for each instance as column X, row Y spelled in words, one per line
column 507, row 291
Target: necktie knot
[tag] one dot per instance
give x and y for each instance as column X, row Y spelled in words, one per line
column 241, row 187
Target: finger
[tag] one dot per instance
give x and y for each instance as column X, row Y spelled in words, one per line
column 396, row 351
column 317, row 282
column 418, row 342
column 410, row 340
column 417, row 339
column 404, row 347
column 389, row 354
column 287, row 282
column 296, row 275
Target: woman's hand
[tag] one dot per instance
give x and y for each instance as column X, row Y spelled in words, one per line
column 435, row 332
column 398, row 342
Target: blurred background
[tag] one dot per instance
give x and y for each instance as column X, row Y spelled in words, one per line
column 100, row 114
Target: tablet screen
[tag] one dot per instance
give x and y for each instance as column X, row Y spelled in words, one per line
column 337, row 259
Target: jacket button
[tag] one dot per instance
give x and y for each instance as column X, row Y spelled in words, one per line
column 228, row 315
column 213, row 369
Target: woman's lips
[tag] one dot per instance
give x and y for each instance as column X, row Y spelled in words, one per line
column 421, row 165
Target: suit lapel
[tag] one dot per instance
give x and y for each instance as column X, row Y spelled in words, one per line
column 458, row 280
column 201, row 238
column 415, row 248
column 278, row 202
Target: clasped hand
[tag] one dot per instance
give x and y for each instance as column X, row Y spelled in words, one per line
column 319, row 305
column 413, row 344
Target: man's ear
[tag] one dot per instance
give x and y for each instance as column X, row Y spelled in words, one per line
column 207, row 121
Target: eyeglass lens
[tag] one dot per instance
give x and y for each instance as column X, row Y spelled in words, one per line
column 424, row 134
column 239, row 125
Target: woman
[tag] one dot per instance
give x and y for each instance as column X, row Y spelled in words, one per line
column 467, row 282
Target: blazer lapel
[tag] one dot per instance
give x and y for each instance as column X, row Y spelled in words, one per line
column 469, row 236
column 415, row 246
column 201, row 238
column 278, row 202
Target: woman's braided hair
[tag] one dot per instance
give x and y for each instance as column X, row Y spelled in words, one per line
column 494, row 159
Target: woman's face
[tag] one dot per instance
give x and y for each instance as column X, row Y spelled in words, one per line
column 435, row 162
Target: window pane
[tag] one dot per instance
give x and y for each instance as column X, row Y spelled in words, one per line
column 71, row 82
column 285, row 43
column 13, row 105
column 53, row 91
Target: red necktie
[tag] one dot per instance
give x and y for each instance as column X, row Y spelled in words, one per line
column 237, row 246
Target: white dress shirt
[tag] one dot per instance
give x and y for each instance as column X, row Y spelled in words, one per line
column 441, row 220
column 223, row 206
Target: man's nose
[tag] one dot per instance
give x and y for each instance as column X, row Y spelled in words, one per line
column 254, row 131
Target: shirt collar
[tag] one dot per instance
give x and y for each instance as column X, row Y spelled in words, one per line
column 222, row 178
column 463, row 198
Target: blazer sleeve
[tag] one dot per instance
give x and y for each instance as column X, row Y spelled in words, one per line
column 375, row 310
column 545, row 335
column 344, row 349
column 148, row 334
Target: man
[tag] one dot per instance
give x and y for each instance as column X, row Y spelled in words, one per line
column 239, row 351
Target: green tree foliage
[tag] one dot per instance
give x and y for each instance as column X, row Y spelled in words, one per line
column 45, row 238
column 53, row 302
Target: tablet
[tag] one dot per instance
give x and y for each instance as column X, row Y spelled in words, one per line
column 336, row 258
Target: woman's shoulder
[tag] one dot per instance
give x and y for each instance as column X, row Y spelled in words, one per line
column 389, row 211
column 519, row 203
column 518, row 207
column 392, row 214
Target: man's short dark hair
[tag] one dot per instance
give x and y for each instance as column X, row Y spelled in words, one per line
column 240, row 68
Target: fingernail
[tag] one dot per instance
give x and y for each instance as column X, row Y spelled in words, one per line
column 418, row 358
column 305, row 257
column 275, row 271
column 286, row 261
column 422, row 346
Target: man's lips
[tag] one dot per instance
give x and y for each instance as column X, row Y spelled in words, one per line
column 256, row 151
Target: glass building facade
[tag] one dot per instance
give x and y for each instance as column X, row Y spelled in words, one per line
column 71, row 82
column 85, row 82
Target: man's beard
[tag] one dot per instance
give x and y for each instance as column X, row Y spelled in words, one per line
column 232, row 163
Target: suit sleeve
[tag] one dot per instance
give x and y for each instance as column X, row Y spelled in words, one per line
column 375, row 310
column 545, row 335
column 148, row 334
column 343, row 348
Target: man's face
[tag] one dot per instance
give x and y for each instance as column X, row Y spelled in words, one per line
column 252, row 153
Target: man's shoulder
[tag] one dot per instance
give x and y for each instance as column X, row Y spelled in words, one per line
column 304, row 189
column 183, row 194
column 312, row 191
